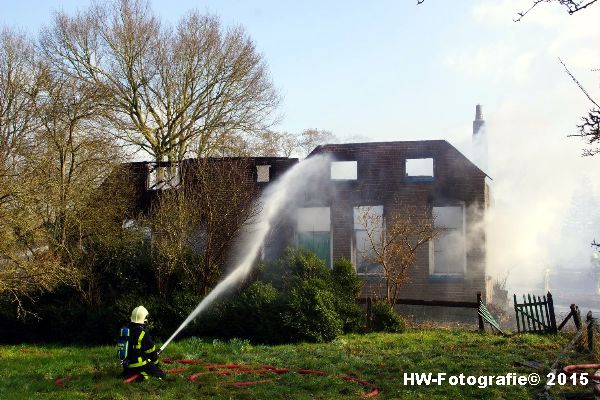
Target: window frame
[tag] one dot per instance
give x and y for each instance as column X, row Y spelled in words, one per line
column 432, row 264
column 297, row 231
column 419, row 178
column 354, row 249
column 266, row 167
column 343, row 179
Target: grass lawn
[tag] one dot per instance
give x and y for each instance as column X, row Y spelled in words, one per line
column 29, row 371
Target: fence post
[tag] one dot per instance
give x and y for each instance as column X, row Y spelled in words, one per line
column 368, row 313
column 479, row 318
column 550, row 306
column 576, row 316
column 527, row 313
column 590, row 331
column 517, row 312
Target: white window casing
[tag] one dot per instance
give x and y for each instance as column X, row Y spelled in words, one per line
column 263, row 173
column 368, row 220
column 419, row 167
column 447, row 252
column 313, row 219
column 344, row 170
column 313, row 232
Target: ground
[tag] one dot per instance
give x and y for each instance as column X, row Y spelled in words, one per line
column 31, row 371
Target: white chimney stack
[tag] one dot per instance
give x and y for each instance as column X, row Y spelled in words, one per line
column 480, row 147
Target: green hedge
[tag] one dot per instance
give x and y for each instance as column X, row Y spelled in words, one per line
column 295, row 298
column 384, row 318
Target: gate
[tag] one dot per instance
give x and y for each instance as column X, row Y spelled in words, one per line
column 535, row 315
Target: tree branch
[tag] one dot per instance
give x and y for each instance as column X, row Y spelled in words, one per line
column 571, row 5
column 578, row 84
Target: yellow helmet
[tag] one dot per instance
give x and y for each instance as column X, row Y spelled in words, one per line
column 139, row 314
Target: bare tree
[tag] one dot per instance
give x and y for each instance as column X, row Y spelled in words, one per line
column 195, row 226
column 168, row 89
column 25, row 264
column 74, row 156
column 311, row 138
column 393, row 241
column 284, row 144
column 572, row 6
column 266, row 144
column 100, row 247
column 174, row 221
column 589, row 130
column 54, row 157
column 19, row 87
column 288, row 144
column 233, row 145
column 74, row 153
column 275, row 144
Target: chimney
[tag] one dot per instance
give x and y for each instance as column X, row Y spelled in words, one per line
column 480, row 146
column 479, row 121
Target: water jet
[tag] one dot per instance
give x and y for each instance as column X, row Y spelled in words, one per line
column 272, row 202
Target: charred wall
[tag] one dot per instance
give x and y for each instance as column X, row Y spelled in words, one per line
column 381, row 179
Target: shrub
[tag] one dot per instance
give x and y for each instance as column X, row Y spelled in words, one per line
column 295, row 298
column 252, row 314
column 309, row 313
column 347, row 286
column 384, row 318
column 294, row 267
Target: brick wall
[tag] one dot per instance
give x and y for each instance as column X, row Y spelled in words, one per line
column 381, row 179
column 139, row 173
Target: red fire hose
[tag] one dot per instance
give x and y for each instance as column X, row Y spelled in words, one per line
column 59, row 381
column 230, row 369
column 569, row 369
column 257, row 369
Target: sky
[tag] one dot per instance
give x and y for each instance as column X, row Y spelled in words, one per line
column 395, row 70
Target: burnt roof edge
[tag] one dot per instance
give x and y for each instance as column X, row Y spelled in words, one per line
column 319, row 148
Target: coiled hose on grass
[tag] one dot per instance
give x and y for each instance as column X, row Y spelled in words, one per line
column 255, row 369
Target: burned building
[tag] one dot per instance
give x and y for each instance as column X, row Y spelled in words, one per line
column 431, row 174
column 149, row 179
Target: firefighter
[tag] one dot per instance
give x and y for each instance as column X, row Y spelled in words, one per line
column 142, row 356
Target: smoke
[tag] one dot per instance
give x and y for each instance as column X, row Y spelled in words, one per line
column 480, row 149
column 544, row 212
column 273, row 201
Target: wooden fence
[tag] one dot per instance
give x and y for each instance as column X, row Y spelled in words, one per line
column 432, row 303
column 535, row 314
